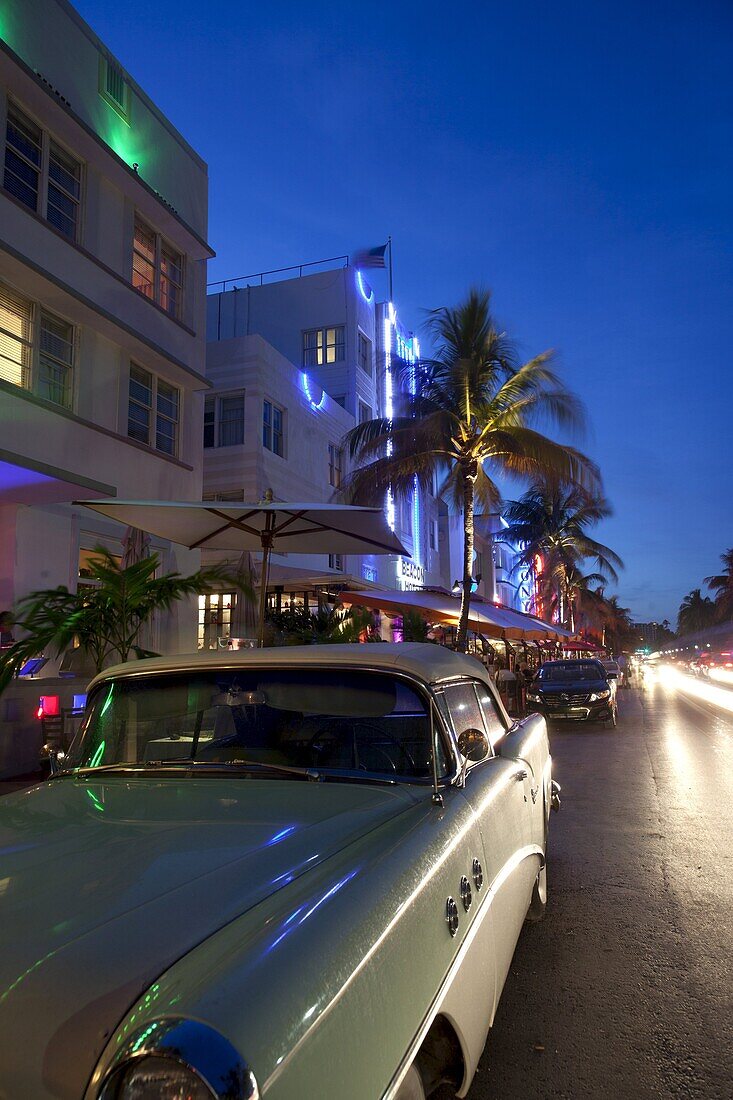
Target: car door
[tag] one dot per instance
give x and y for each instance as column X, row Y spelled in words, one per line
column 498, row 791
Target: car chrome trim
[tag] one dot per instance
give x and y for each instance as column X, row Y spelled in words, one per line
column 483, row 908
column 190, row 1043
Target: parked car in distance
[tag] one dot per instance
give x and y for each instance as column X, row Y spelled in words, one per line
column 277, row 873
column 582, row 690
column 613, row 666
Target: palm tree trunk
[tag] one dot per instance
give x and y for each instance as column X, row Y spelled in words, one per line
column 469, row 482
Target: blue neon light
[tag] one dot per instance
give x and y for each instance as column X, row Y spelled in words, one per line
column 317, row 405
column 364, row 289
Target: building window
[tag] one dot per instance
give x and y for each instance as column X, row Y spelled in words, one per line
column 231, row 496
column 42, row 175
column 157, row 269
column 113, row 87
column 16, row 339
column 323, row 345
column 364, row 353
column 272, row 428
column 335, row 465
column 336, row 561
column 340, row 399
column 224, row 420
column 215, row 619
column 55, row 360
column 433, row 528
column 49, row 373
column 365, row 412
column 153, row 411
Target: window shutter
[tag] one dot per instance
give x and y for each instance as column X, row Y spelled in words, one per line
column 16, row 335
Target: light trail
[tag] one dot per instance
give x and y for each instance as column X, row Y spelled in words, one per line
column 674, row 680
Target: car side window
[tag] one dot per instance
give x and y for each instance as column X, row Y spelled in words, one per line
column 495, row 726
column 463, row 707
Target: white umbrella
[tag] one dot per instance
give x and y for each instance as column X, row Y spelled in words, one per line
column 268, row 526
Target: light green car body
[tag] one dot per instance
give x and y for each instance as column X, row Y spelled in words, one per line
column 304, row 922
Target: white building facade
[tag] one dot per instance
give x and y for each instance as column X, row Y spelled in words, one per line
column 103, row 220
column 312, row 355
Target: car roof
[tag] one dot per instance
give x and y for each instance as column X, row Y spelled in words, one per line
column 424, row 660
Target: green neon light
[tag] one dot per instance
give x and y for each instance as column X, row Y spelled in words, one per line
column 95, row 801
column 107, row 702
column 97, row 758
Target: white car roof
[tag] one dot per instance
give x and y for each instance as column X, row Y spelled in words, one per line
column 426, row 661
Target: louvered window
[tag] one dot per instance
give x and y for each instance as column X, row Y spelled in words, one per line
column 153, row 411
column 157, row 269
column 55, row 359
column 23, row 152
column 16, row 317
column 113, row 87
column 42, row 175
column 64, row 191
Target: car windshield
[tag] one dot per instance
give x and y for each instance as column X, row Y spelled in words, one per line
column 589, row 670
column 335, row 720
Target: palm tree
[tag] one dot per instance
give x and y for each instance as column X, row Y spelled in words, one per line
column 696, row 612
column 477, row 414
column 722, row 583
column 550, row 523
column 617, row 625
column 582, row 601
column 105, row 618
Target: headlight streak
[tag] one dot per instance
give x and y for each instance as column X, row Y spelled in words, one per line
column 459, row 839
column 673, row 680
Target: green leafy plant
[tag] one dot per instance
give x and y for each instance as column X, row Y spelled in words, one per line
column 104, row 618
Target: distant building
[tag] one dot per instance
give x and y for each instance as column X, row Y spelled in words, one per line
column 103, row 221
column 296, row 363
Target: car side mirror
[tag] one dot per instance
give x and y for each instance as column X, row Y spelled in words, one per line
column 473, row 744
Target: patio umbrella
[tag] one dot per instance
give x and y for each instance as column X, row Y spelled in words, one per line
column 268, row 526
column 244, row 617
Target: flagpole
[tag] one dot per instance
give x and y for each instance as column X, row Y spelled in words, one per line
column 389, row 242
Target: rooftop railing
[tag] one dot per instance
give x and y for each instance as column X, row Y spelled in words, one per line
column 277, row 274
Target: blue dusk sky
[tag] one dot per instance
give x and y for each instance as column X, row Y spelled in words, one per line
column 576, row 158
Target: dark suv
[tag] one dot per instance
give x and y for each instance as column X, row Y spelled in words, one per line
column 582, row 690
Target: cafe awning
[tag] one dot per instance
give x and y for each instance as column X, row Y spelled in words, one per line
column 438, row 607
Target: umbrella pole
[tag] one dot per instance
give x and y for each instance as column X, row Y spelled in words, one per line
column 266, row 549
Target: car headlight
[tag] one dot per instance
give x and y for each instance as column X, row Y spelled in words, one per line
column 175, row 1059
column 534, row 697
column 595, row 696
column 161, row 1078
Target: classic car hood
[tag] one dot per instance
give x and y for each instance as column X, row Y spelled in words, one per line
column 105, row 881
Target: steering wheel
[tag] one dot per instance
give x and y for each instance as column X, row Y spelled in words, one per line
column 350, row 730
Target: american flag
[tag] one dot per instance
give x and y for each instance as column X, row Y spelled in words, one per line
column 369, row 257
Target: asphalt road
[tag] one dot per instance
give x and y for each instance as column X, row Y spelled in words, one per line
column 626, row 988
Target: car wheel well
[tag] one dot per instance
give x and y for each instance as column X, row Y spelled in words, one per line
column 440, row 1058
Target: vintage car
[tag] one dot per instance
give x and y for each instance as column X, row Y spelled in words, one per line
column 296, row 873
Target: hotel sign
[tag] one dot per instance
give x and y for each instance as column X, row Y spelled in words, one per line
column 412, row 575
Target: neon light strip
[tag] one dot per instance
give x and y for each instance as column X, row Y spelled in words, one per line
column 363, row 287
column 306, row 387
column 388, row 403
